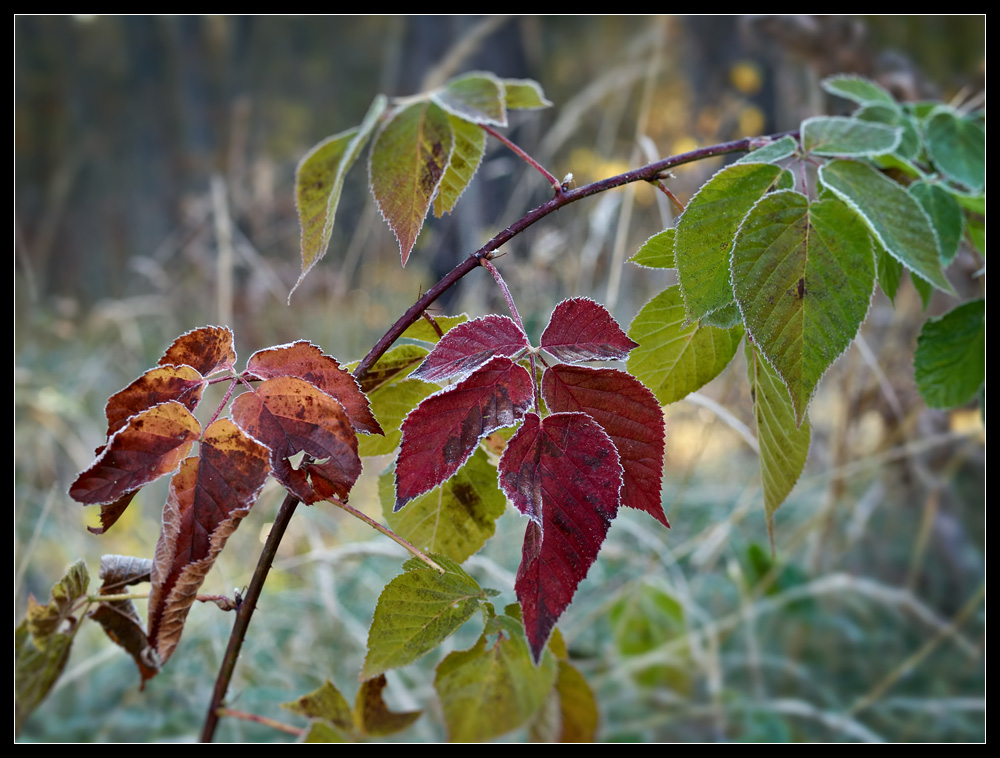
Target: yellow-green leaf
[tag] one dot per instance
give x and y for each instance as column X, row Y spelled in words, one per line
column 783, row 443
column 489, row 690
column 454, row 519
column 470, row 145
column 803, row 274
column 319, row 181
column 674, row 357
column 416, row 611
column 407, row 163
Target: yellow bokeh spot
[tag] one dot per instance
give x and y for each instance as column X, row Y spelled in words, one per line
column 751, row 121
column 746, row 77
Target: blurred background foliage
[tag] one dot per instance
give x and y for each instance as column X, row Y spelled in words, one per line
column 154, row 168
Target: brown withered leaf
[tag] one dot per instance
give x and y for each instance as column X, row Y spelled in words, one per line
column 207, row 349
column 158, row 385
column 373, row 717
column 208, row 497
column 291, row 416
column 119, row 618
column 306, row 361
column 153, row 443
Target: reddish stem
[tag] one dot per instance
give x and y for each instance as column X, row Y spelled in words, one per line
column 556, row 184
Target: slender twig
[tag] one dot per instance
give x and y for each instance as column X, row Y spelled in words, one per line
column 417, row 552
column 556, row 184
column 648, row 173
column 245, row 613
column 666, row 191
column 274, row 724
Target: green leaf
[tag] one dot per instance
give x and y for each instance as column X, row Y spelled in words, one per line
column 894, row 216
column 674, row 357
column 416, row 611
column 724, row 318
column 408, row 161
column 392, row 396
column 888, row 272
column 772, row 152
column 422, row 330
column 44, row 621
column 36, row 669
column 909, row 143
column 42, row 644
column 803, row 275
column 783, row 442
column 323, row 732
column 706, row 230
column 489, row 691
column 325, row 703
column 958, row 147
column 945, row 214
column 977, row 233
column 319, row 181
column 524, row 94
column 454, row 519
column 570, row 711
column 836, row 135
column 950, row 362
column 477, row 97
column 860, row 90
column 470, row 145
column 923, row 289
column 657, row 251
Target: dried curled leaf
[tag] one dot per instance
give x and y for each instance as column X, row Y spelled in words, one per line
column 152, row 444
column 208, row 497
column 207, row 350
column 291, row 416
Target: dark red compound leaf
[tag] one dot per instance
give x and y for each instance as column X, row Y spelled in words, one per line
column 307, row 361
column 583, row 330
column 208, row 498
column 468, row 346
column 158, row 385
column 207, row 350
column 563, row 472
column 442, row 432
column 291, row 416
column 631, row 416
column 152, row 444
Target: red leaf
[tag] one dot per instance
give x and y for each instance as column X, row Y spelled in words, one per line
column 468, row 346
column 563, row 472
column 307, row 361
column 442, row 432
column 631, row 416
column 208, row 498
column 582, row 330
column 290, row 416
column 153, row 443
column 207, row 350
column 158, row 385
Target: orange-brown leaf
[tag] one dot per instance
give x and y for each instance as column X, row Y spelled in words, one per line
column 153, row 443
column 307, row 361
column 291, row 416
column 158, row 385
column 208, row 349
column 208, row 497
